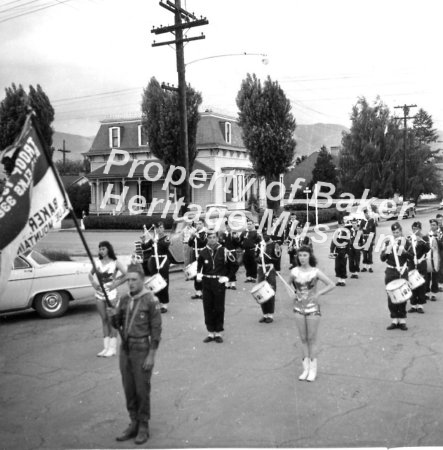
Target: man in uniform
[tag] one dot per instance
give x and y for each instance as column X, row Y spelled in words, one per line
column 214, row 270
column 340, row 248
column 355, row 245
column 138, row 319
column 268, row 262
column 435, row 243
column 231, row 241
column 420, row 247
column 368, row 226
column 300, row 239
column 197, row 242
column 250, row 240
column 290, row 227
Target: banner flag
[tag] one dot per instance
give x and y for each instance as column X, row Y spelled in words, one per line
column 31, row 202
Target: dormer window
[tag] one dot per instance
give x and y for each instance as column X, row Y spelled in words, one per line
column 114, row 137
column 228, row 132
column 142, row 139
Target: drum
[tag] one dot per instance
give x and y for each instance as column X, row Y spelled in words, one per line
column 156, row 283
column 399, row 291
column 415, row 280
column 262, row 292
column 191, row 271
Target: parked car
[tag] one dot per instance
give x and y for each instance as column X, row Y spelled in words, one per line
column 358, row 214
column 215, row 215
column 389, row 209
column 47, row 286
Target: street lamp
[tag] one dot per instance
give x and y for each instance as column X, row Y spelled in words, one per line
column 264, row 60
column 307, row 191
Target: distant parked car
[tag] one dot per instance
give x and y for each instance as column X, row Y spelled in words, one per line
column 389, row 209
column 359, row 214
column 47, row 286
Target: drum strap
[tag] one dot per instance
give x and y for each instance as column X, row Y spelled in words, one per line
column 397, row 262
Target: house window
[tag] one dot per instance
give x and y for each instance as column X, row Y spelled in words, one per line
column 114, row 137
column 171, row 193
column 142, row 138
column 230, row 190
column 116, row 190
column 228, row 133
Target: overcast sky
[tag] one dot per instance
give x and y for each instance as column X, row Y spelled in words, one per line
column 93, row 57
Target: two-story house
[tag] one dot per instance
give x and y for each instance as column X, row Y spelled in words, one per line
column 222, row 160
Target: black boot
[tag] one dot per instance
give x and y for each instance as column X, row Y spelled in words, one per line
column 143, row 433
column 129, row 433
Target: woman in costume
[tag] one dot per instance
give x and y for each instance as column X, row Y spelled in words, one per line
column 304, row 277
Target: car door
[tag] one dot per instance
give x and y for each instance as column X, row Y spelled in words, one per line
column 16, row 294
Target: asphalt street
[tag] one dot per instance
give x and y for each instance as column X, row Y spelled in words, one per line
column 375, row 388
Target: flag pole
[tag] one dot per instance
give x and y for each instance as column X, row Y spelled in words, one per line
column 69, row 206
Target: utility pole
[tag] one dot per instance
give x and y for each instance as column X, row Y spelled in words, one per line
column 64, row 151
column 405, row 117
column 177, row 30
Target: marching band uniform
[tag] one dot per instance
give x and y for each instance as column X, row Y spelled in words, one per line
column 355, row 244
column 420, row 248
column 435, row 242
column 340, row 247
column 295, row 243
column 392, row 272
column 271, row 259
column 250, row 239
column 231, row 241
column 160, row 264
column 368, row 227
column 291, row 227
column 215, row 268
column 198, row 242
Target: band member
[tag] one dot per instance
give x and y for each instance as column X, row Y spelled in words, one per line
column 368, row 226
column 159, row 262
column 439, row 218
column 268, row 257
column 397, row 253
column 138, row 320
column 435, row 242
column 290, row 226
column 340, row 248
column 250, row 240
column 276, row 233
column 304, row 278
column 146, row 248
column 214, row 270
column 420, row 248
column 231, row 241
column 355, row 244
column 108, row 267
column 300, row 239
column 197, row 242
column 187, row 232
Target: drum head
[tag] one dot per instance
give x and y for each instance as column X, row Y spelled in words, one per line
column 395, row 284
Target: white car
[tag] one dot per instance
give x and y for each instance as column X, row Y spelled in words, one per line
column 359, row 215
column 47, row 286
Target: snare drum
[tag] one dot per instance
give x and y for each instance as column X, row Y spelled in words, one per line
column 262, row 292
column 399, row 291
column 191, row 271
column 156, row 283
column 415, row 280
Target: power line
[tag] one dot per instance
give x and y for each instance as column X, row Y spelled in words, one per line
column 35, row 10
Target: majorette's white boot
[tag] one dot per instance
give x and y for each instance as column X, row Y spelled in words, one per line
column 112, row 350
column 312, row 370
column 105, row 346
column 305, row 373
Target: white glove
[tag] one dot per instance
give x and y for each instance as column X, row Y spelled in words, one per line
column 199, row 277
column 223, row 280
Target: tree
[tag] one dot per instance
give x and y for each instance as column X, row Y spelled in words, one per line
column 13, row 111
column 72, row 167
column 267, row 129
column 161, row 122
column 80, row 197
column 423, row 127
column 324, row 169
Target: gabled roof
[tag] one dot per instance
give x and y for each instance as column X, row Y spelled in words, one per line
column 123, row 171
column 210, row 133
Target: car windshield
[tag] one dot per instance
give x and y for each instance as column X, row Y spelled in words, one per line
column 38, row 258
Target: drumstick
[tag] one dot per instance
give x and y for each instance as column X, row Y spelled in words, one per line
column 287, row 286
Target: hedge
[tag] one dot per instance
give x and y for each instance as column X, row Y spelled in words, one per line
column 325, row 215
column 135, row 222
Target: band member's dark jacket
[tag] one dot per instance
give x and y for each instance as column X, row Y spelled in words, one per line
column 231, row 240
column 272, row 254
column 295, row 244
column 201, row 238
column 249, row 239
column 368, row 226
column 357, row 240
column 216, row 262
column 340, row 241
column 422, row 247
column 406, row 257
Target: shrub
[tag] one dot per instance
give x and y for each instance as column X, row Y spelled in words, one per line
column 324, row 215
column 126, row 222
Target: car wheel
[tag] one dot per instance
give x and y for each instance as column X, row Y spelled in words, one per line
column 51, row 304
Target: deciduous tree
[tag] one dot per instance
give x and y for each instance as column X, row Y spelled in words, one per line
column 267, row 129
